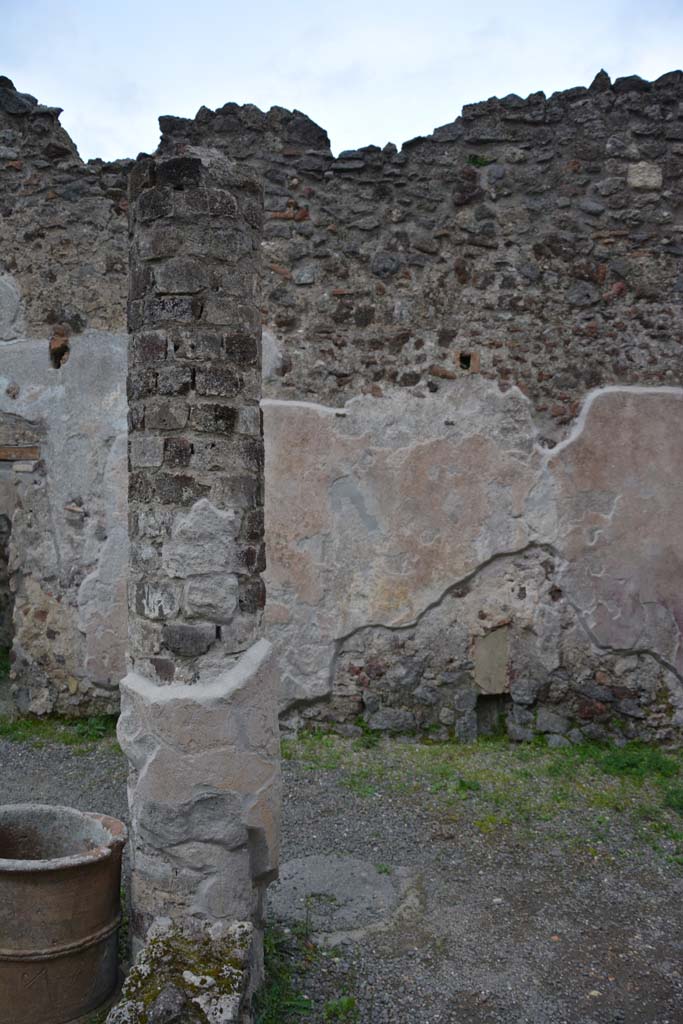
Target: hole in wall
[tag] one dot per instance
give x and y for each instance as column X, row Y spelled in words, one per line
column 59, row 346
column 491, row 713
column 465, row 360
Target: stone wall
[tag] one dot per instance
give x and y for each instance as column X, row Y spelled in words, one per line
column 435, row 567
column 504, row 266
column 63, row 271
column 68, row 546
column 536, row 240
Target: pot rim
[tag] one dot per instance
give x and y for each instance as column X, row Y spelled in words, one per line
column 116, row 829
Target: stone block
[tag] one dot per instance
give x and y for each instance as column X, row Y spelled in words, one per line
column 556, row 742
column 491, row 661
column 146, row 450
column 212, row 597
column 157, row 600
column 214, row 419
column 392, row 720
column 202, row 541
column 160, row 309
column 180, row 276
column 218, row 380
column 550, row 721
column 165, row 414
column 154, row 203
column 644, row 175
column 188, row 641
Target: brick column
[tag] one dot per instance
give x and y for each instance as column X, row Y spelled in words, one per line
column 199, row 718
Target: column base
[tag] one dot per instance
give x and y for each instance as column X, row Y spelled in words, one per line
column 204, row 793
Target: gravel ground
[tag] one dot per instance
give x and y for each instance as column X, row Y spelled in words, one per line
column 557, row 921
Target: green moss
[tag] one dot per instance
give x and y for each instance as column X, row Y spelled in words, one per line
column 178, row 958
column 475, row 160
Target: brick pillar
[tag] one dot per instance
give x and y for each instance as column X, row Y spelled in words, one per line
column 199, row 718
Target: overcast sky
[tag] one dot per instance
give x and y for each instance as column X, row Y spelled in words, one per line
column 368, row 71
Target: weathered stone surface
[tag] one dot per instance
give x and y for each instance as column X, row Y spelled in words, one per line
column 212, row 597
column 202, row 541
column 341, row 898
column 196, row 484
column 645, row 175
column 191, row 974
column 618, row 486
column 6, row 598
column 62, row 230
column 69, row 545
column 204, row 792
column 376, row 511
column 442, row 559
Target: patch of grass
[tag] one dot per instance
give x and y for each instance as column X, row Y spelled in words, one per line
column 370, row 737
column 632, row 795
column 315, row 749
column 673, row 797
column 360, row 782
column 383, row 869
column 345, row 1008
column 278, row 1001
column 635, row 760
column 80, row 733
column 492, row 823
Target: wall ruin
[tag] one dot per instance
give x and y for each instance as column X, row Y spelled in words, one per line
column 465, row 295
column 62, row 410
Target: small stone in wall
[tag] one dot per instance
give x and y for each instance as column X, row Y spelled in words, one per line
column 305, row 275
column 212, row 597
column 10, row 308
column 645, row 175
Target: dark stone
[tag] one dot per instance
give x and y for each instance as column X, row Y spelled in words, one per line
column 170, row 1007
column 188, row 641
column 166, row 488
column 214, row 419
column 252, row 594
column 172, row 308
column 180, row 172
column 217, row 380
column 385, row 264
column 583, row 293
column 154, row 203
column 177, row 451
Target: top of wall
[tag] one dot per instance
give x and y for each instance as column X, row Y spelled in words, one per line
column 537, row 241
column 63, row 227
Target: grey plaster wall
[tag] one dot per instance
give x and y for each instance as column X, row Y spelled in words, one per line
column 68, row 547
